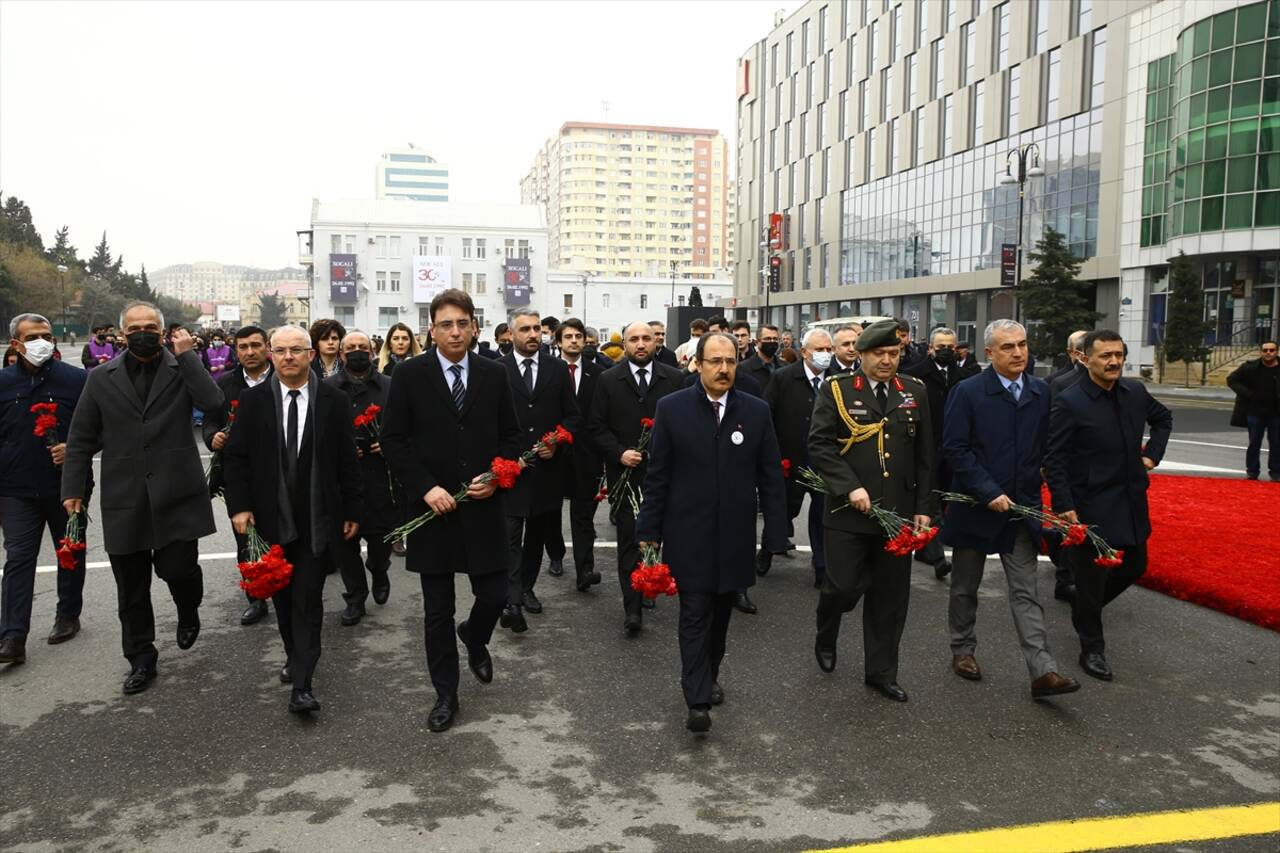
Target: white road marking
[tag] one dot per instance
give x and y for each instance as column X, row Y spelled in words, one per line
column 1166, row 465
column 1211, row 444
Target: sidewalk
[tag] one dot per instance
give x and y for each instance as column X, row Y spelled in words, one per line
column 1175, row 391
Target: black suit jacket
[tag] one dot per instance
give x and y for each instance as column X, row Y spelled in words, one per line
column 970, row 367
column 758, row 370
column 429, row 443
column 1064, row 380
column 666, row 356
column 582, row 479
column 741, row 382
column 790, row 397
column 232, row 385
column 617, row 409
column 252, row 462
column 1093, row 460
column 381, row 509
column 541, row 487
column 939, row 386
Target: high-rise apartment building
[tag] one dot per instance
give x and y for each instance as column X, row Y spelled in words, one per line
column 874, row 134
column 631, row 200
column 413, row 174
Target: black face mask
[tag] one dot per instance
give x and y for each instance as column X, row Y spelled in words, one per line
column 504, row 347
column 143, row 344
column 357, row 361
column 102, row 339
column 945, row 356
column 769, row 348
column 589, row 353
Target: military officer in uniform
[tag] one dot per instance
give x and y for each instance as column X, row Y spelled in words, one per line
column 871, row 441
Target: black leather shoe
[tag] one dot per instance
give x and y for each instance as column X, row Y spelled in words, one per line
column 442, row 713
column 1065, row 592
column 717, row 694
column 556, row 569
column 531, row 602
column 649, row 603
column 188, row 630
column 254, row 612
column 787, row 547
column 477, row 655
column 512, row 618
column 587, row 579
column 398, row 549
column 941, row 569
column 381, row 588
column 63, row 629
column 1095, row 664
column 633, row 624
column 286, row 674
column 699, row 720
column 139, row 679
column 743, row 603
column 826, row 658
column 764, row 562
column 302, row 702
column 890, row 690
column 13, row 650
column 352, row 615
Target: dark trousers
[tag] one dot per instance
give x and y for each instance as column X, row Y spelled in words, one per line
column 817, row 541
column 1096, row 586
column 1260, row 425
column 377, row 561
column 175, row 564
column 300, row 611
column 858, row 567
column 582, row 527
column 24, row 520
column 554, row 541
column 628, row 557
column 490, row 591
column 704, row 626
column 526, row 538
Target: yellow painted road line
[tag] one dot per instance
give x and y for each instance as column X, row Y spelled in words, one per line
column 1106, row 833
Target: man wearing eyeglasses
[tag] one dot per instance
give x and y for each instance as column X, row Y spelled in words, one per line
column 1257, row 387
column 292, row 473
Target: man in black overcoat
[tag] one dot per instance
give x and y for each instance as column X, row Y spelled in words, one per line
column 448, row 416
column 628, row 393
column 544, row 399
column 713, row 449
column 292, row 473
column 585, row 469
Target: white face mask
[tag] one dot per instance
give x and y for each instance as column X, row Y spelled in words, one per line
column 37, row 351
column 821, row 360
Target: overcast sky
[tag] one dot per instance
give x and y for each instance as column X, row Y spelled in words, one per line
column 200, row 131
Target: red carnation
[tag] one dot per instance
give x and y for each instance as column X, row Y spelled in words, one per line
column 505, row 471
column 1110, row 559
column 72, row 543
column 563, row 436
column 267, row 572
column 646, row 423
column 46, row 425
column 235, row 404
column 651, row 578
column 602, row 494
column 1074, row 535
column 786, row 467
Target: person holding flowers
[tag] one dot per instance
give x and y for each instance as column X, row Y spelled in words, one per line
column 1096, row 463
column 39, row 395
column 712, row 452
column 292, row 476
column 366, row 391
column 870, row 442
column 994, row 437
column 449, row 417
column 544, row 400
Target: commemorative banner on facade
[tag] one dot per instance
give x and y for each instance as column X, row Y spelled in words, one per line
column 431, row 275
column 516, row 288
column 342, row 279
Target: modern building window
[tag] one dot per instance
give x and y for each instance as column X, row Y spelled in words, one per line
column 850, row 52
column 466, row 248
column 948, row 121
column 968, row 57
column 395, row 282
column 892, row 158
column 440, row 246
column 948, row 15
column 1002, row 37
column 1012, row 96
column 424, row 245
column 466, row 282
column 865, row 103
column 380, row 281
column 977, row 113
column 895, row 33
column 939, row 79
column 1082, row 20
column 822, row 29
column 1051, row 77
column 886, row 93
column 873, row 46
column 393, row 247
column 913, row 81
column 820, row 120
column 1098, row 67
column 480, row 248
column 1040, row 33
column 380, row 246
column 482, row 282
column 804, row 43
column 871, row 155
column 922, row 24
column 917, row 133
column 826, row 171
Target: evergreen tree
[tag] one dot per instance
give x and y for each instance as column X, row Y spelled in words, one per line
column 62, row 252
column 144, row 286
column 1054, row 301
column 695, row 297
column 16, row 225
column 273, row 310
column 1185, row 326
column 101, row 264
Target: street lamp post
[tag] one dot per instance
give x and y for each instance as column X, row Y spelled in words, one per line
column 1026, row 161
column 584, row 299
column 62, row 277
column 673, row 284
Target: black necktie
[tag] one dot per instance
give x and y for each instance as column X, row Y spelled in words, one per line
column 641, row 382
column 715, row 405
column 291, row 435
column 528, row 375
column 882, row 396
column 458, row 390
column 817, row 383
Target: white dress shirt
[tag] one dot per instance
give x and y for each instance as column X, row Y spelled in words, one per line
column 575, row 373
column 303, row 399
column 445, row 364
column 250, row 382
column 636, row 368
column 533, row 368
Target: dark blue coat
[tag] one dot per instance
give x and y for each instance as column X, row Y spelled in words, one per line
column 26, row 470
column 1093, row 461
column 700, row 489
column 993, row 447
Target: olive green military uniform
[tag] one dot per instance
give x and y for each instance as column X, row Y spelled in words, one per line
column 855, row 442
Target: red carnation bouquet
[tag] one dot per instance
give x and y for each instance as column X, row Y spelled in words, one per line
column 1072, row 534
column 46, row 422
column 652, row 578
column 786, row 468
column 904, row 536
column 368, row 420
column 504, row 472
column 554, row 438
column 213, row 476
column 72, row 544
column 603, row 494
column 623, row 487
column 267, row 571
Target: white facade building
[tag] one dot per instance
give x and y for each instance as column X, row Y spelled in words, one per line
column 468, row 246
column 412, row 174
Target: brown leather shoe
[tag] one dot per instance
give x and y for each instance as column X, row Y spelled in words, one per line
column 63, row 629
column 13, row 651
column 1052, row 684
column 966, row 666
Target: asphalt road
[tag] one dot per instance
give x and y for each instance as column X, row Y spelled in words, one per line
column 579, row 742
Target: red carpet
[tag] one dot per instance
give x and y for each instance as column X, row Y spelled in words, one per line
column 1216, row 542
